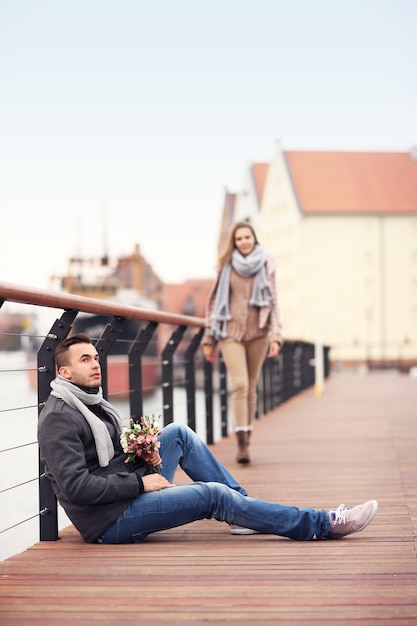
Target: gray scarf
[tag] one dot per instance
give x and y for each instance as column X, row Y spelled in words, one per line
column 254, row 264
column 78, row 399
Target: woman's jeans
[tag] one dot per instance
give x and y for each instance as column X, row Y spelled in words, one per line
column 214, row 494
column 244, row 361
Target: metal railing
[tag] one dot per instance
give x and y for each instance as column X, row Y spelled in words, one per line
column 175, row 354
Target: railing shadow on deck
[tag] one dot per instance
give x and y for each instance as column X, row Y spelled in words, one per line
column 160, row 352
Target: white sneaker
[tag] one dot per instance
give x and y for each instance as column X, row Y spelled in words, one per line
column 241, row 530
column 346, row 521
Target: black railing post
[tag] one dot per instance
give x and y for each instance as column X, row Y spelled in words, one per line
column 277, row 379
column 297, row 368
column 286, row 353
column 168, row 373
column 190, row 377
column 262, row 395
column 208, row 391
column 48, row 508
column 104, row 345
column 269, row 388
column 223, row 396
column 308, row 370
column 135, row 369
column 326, row 350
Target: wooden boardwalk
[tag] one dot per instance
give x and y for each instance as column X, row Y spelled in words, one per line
column 358, row 441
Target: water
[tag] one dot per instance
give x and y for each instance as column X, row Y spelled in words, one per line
column 18, row 425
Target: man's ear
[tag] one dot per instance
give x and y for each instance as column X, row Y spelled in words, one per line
column 64, row 372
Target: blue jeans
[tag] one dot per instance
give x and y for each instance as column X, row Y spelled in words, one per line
column 213, row 494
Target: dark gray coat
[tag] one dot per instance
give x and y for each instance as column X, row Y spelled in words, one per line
column 93, row 497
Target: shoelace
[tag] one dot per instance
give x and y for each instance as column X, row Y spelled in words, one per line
column 340, row 515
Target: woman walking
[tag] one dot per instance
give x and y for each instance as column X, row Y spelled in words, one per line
column 242, row 316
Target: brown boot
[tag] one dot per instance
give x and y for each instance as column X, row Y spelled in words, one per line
column 242, row 447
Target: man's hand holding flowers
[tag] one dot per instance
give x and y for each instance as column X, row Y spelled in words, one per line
column 141, row 441
column 154, row 459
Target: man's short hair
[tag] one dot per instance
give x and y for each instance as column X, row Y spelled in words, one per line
column 62, row 349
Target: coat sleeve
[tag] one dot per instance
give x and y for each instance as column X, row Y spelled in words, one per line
column 71, row 465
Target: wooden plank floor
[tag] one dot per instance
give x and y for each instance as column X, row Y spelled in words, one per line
column 358, row 441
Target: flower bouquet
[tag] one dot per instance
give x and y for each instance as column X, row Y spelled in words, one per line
column 141, row 439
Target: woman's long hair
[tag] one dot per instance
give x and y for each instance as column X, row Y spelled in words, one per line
column 230, row 246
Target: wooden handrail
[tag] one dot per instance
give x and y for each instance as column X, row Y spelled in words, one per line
column 56, row 300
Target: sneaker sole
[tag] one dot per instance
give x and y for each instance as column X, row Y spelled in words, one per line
column 243, row 531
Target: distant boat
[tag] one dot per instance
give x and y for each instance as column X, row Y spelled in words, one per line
column 129, row 280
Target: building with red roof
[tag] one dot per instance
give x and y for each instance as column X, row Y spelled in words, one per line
column 342, row 227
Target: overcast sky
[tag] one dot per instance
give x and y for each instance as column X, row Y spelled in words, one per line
column 123, row 121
